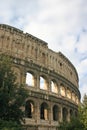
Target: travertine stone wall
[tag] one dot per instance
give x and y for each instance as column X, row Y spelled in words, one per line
column 59, row 97
column 27, row 47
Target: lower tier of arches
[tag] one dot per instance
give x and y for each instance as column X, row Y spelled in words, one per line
column 44, row 112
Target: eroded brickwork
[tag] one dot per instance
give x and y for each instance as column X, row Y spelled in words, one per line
column 53, row 91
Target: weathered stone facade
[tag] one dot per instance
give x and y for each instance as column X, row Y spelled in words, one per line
column 51, row 79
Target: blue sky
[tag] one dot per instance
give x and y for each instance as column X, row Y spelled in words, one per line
column 61, row 23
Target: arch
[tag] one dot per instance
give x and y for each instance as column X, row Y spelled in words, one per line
column 54, row 87
column 43, row 83
column 30, row 79
column 29, row 109
column 55, row 113
column 65, row 114
column 44, row 111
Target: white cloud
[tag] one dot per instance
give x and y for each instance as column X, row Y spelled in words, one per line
column 81, row 46
column 82, row 67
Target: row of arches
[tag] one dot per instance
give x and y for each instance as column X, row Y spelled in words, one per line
column 44, row 111
column 52, row 86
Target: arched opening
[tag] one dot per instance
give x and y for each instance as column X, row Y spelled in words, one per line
column 30, row 80
column 65, row 114
column 43, row 83
column 44, row 111
column 29, row 109
column 54, row 87
column 55, row 113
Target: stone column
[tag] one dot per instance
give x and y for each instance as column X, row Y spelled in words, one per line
column 45, row 85
column 35, row 81
column 49, row 86
column 38, row 82
column 59, row 90
column 60, row 114
column 68, row 115
column 23, row 76
column 50, row 114
column 65, row 92
column 37, row 113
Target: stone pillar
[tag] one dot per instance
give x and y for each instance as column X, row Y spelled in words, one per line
column 23, row 76
column 59, row 90
column 37, row 113
column 60, row 114
column 68, row 115
column 49, row 85
column 45, row 85
column 38, row 82
column 35, row 81
column 50, row 114
column 65, row 92
column 71, row 96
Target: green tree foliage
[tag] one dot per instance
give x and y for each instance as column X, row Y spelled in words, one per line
column 83, row 111
column 77, row 123
column 9, row 125
column 74, row 124
column 12, row 95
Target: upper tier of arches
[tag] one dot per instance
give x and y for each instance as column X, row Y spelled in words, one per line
column 27, row 47
column 53, row 86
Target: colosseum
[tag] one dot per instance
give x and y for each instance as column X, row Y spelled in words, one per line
column 50, row 78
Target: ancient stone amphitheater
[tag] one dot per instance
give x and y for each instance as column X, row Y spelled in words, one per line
column 50, row 78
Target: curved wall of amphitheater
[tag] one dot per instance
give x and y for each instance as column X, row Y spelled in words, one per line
column 51, row 79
